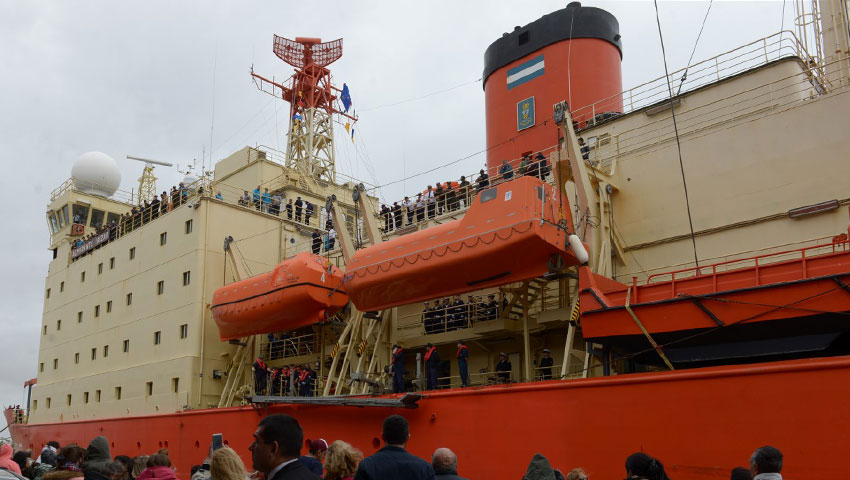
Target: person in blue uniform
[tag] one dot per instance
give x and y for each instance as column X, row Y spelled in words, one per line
column 503, row 368
column 398, row 369
column 260, row 375
column 546, row 365
column 432, row 363
column 463, row 363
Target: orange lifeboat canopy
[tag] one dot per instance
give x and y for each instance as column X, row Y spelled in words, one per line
column 510, row 233
column 302, row 290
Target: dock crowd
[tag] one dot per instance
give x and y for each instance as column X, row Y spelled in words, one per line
column 276, row 455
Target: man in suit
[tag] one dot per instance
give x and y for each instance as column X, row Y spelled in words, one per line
column 393, row 461
column 276, row 448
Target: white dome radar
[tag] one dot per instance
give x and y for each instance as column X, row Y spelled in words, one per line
column 96, row 173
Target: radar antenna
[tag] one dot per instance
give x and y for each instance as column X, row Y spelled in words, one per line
column 147, row 182
column 311, row 96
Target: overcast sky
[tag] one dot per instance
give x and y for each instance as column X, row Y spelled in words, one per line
column 169, row 80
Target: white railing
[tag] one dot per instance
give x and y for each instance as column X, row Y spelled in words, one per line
column 780, row 45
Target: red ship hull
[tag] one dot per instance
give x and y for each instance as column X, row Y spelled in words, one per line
column 699, row 422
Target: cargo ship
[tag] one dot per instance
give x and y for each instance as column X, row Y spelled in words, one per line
column 679, row 259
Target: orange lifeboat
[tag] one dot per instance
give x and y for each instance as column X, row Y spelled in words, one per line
column 510, row 233
column 302, row 290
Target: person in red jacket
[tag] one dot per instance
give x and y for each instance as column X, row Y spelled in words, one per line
column 432, row 363
column 463, row 363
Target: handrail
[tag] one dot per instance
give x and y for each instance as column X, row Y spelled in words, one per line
column 724, row 65
column 845, row 244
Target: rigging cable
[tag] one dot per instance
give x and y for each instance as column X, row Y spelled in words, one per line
column 688, row 65
column 676, row 131
column 421, row 97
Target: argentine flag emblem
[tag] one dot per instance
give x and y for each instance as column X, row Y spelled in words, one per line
column 525, row 72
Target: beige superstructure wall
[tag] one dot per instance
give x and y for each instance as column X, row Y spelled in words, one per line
column 120, row 304
column 753, row 147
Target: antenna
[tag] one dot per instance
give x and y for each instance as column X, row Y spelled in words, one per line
column 147, row 182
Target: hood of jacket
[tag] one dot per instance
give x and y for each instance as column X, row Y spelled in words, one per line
column 539, row 469
column 97, row 452
column 5, row 451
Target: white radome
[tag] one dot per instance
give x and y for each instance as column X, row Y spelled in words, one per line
column 96, row 173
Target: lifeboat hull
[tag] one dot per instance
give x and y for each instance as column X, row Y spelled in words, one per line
column 301, row 291
column 509, row 234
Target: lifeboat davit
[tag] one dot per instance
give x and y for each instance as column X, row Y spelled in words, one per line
column 302, row 290
column 510, row 233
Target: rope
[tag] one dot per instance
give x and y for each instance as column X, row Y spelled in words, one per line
column 685, row 73
column 676, row 131
column 421, row 97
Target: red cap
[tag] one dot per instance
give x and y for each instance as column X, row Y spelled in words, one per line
column 318, row 445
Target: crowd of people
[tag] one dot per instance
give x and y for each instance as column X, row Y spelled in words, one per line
column 289, row 380
column 276, row 455
column 450, row 196
column 455, row 314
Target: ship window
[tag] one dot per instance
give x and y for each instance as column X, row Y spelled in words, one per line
column 187, row 277
column 44, row 332
column 47, row 400
column 105, row 351
column 35, row 404
column 47, row 294
column 55, row 363
column 94, row 354
column 157, row 337
column 55, row 252
column 132, row 253
column 109, row 306
column 160, row 287
column 58, row 325
column 130, row 298
column 77, row 357
column 188, row 227
column 85, row 397
column 112, row 263
column 117, row 393
column 112, row 218
column 97, row 218
column 81, row 213
column 79, row 317
column 163, row 237
column 68, row 398
column 41, row 367
column 61, row 287
column 51, row 223
column 96, row 311
column 100, row 268
column 97, row 396
column 63, row 215
column 524, row 37
column 126, row 345
column 175, row 384
column 489, row 194
column 184, row 330
column 149, row 388
column 82, row 276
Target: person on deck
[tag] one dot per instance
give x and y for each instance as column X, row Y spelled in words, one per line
column 492, row 307
column 431, row 201
column 503, row 368
column 260, row 371
column 267, row 200
column 398, row 369
column 289, row 209
column 506, row 171
column 308, row 212
column 483, row 180
column 331, row 238
column 432, row 364
column 546, row 365
column 256, row 197
column 409, row 208
column 299, row 206
column 428, row 318
column 459, row 315
column 463, row 363
column 316, row 242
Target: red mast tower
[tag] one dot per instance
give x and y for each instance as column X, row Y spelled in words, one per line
column 311, row 97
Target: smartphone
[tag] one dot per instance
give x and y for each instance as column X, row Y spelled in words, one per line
column 217, row 441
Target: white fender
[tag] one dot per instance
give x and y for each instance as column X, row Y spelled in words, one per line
column 578, row 249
